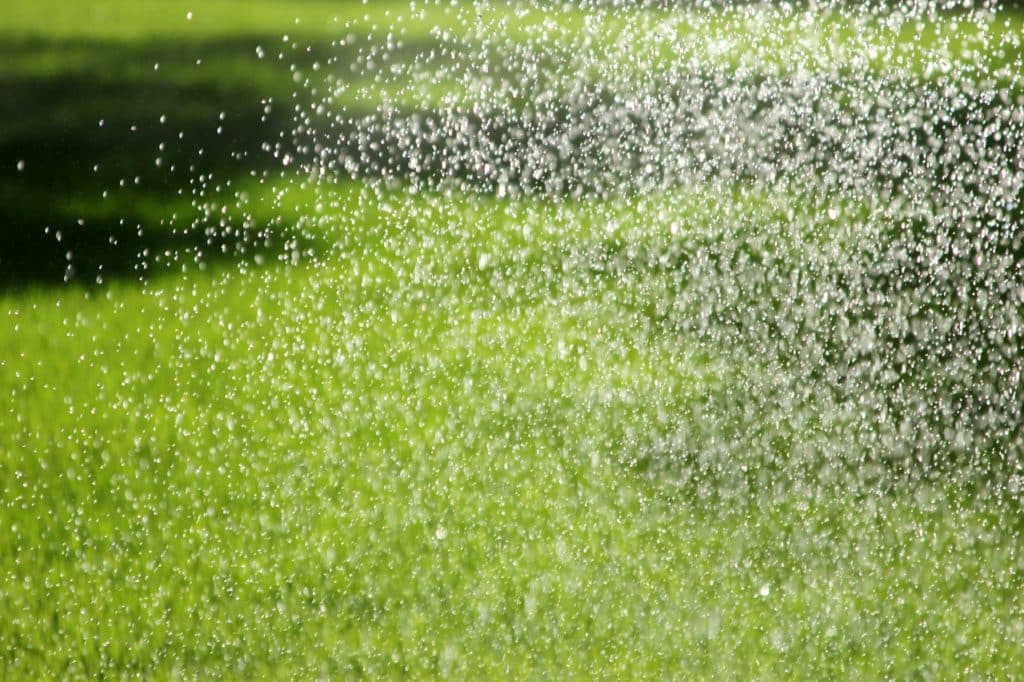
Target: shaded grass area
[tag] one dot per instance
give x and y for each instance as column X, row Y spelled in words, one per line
column 191, row 94
column 120, row 124
column 117, row 157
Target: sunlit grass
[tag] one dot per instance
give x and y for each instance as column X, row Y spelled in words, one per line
column 351, row 467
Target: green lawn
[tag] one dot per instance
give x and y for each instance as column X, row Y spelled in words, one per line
column 402, row 434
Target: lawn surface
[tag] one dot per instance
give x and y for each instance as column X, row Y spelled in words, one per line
column 394, row 433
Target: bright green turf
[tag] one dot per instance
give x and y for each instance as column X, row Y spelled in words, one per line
column 346, row 468
column 416, row 454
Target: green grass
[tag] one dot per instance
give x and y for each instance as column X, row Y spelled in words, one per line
column 422, row 446
column 340, row 468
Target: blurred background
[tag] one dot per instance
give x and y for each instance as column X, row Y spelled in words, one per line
column 112, row 110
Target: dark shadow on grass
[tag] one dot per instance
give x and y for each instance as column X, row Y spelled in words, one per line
column 214, row 112
column 105, row 147
column 91, row 152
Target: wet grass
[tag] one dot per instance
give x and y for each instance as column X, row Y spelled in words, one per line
column 403, row 461
column 419, row 448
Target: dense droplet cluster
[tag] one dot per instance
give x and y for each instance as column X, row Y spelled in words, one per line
column 831, row 193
